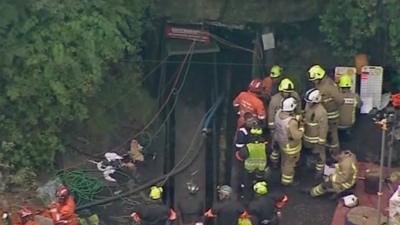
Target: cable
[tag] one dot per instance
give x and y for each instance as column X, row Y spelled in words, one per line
column 199, row 128
column 179, row 167
column 174, row 104
column 231, row 44
column 173, row 88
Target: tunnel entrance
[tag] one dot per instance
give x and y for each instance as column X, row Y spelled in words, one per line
column 211, row 75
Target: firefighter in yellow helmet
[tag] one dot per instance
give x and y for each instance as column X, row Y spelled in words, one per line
column 270, row 83
column 264, row 208
column 288, row 135
column 154, row 212
column 286, row 89
column 344, row 177
column 352, row 101
column 332, row 99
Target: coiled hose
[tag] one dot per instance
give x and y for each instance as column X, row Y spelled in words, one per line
column 83, row 187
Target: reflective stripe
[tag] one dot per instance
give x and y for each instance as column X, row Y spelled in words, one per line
column 271, row 123
column 285, row 179
column 332, row 145
column 292, row 150
column 239, row 145
column 317, row 191
column 274, row 155
column 244, row 131
column 333, row 115
column 319, row 166
column 320, row 140
column 327, row 99
column 312, row 124
column 311, row 139
column 350, row 184
column 334, row 178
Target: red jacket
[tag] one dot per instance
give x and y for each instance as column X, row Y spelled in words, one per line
column 249, row 102
column 65, row 213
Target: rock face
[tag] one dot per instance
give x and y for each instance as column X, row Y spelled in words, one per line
column 239, row 11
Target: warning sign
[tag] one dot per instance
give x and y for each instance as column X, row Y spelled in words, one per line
column 371, row 87
column 342, row 70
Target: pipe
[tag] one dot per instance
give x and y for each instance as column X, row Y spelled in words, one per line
column 210, row 115
column 379, row 207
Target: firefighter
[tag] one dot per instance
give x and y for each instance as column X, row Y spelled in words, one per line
column 227, row 210
column 251, row 157
column 286, row 89
column 249, row 101
column 315, row 128
column 154, row 212
column 191, row 207
column 288, row 134
column 265, row 208
column 270, row 83
column 63, row 211
column 344, row 177
column 331, row 100
column 352, row 102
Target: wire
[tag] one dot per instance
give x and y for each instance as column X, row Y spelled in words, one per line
column 231, row 44
column 197, row 133
column 179, row 167
column 176, row 81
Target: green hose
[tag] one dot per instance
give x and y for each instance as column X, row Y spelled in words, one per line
column 83, row 187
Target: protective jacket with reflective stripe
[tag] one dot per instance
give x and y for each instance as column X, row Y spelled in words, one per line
column 275, row 105
column 332, row 99
column 257, row 159
column 346, row 170
column 316, row 124
column 287, row 133
column 347, row 111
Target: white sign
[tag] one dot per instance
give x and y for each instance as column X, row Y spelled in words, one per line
column 351, row 71
column 371, row 87
column 268, row 41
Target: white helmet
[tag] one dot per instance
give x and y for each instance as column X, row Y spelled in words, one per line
column 289, row 104
column 313, row 95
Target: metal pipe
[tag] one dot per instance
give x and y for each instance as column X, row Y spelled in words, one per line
column 379, row 207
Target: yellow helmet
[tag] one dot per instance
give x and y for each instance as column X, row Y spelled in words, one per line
column 261, row 188
column 286, row 85
column 155, row 192
column 316, row 73
column 276, row 71
column 345, row 81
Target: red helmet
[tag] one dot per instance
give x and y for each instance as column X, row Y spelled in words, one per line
column 62, row 192
column 396, row 100
column 24, row 212
column 255, row 86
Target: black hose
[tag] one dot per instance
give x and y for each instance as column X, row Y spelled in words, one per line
column 145, row 185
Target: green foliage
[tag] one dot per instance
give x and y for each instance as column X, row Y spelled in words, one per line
column 55, row 56
column 349, row 24
column 393, row 9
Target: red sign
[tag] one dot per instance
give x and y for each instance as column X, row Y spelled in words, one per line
column 187, row 34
